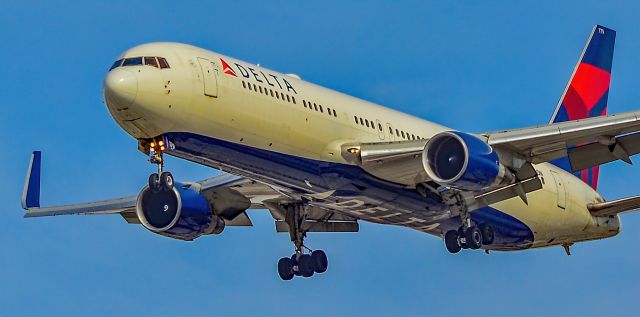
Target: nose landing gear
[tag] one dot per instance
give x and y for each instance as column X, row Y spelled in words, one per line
column 161, row 180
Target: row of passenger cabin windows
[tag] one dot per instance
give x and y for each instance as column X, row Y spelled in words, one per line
column 269, row 92
column 157, row 62
column 373, row 125
column 314, row 106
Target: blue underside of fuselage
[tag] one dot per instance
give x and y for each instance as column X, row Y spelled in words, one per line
column 396, row 204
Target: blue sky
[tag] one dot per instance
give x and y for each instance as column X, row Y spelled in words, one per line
column 472, row 65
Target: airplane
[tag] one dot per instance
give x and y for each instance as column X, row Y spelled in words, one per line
column 322, row 161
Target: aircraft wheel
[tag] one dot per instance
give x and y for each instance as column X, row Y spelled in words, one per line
column 487, row 234
column 154, row 182
column 319, row 261
column 452, row 242
column 473, row 237
column 285, row 269
column 305, row 265
column 166, row 180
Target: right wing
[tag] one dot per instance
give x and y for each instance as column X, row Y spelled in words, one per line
column 587, row 142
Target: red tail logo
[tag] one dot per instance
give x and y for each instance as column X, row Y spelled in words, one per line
column 227, row 69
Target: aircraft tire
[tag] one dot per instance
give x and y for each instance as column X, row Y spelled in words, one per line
column 305, row 265
column 452, row 242
column 154, row 182
column 285, row 269
column 166, row 180
column 487, row 234
column 473, row 237
column 319, row 261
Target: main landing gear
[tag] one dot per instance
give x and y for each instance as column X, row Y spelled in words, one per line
column 161, row 180
column 300, row 263
column 468, row 235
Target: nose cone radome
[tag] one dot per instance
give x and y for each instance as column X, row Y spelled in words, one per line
column 120, row 88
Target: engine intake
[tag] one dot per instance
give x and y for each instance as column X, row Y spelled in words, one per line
column 463, row 161
column 181, row 213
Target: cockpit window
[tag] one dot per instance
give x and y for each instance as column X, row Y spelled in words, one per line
column 132, row 61
column 151, row 61
column 116, row 64
column 157, row 62
column 163, row 62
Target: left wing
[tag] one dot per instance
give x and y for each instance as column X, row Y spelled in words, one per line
column 228, row 184
column 232, row 196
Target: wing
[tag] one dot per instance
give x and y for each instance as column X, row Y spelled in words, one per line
column 232, row 195
column 227, row 189
column 587, row 142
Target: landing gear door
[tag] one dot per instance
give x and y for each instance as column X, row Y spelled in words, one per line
column 210, row 77
column 560, row 190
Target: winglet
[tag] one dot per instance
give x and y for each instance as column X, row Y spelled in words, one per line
column 31, row 193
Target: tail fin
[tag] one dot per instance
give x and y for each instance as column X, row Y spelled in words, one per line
column 587, row 92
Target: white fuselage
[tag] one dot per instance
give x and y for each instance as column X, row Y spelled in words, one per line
column 207, row 94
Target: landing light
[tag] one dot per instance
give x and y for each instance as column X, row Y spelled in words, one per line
column 353, row 150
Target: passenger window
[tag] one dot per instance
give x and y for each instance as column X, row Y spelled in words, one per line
column 116, row 64
column 366, row 122
column 390, row 131
column 163, row 62
column 315, row 106
column 402, row 132
column 380, row 127
column 293, row 99
column 289, row 100
column 321, row 110
column 271, row 91
column 151, row 61
column 277, row 95
column 244, row 85
column 304, row 102
column 334, row 113
column 260, row 88
column 134, row 61
column 361, row 121
column 397, row 132
column 356, row 119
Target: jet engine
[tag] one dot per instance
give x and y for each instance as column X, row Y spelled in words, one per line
column 181, row 212
column 463, row 161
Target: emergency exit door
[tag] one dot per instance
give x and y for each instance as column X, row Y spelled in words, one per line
column 209, row 77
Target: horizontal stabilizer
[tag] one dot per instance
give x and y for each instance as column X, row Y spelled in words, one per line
column 614, row 207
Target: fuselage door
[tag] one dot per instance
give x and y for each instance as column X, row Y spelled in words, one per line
column 561, row 191
column 392, row 136
column 380, row 129
column 210, row 77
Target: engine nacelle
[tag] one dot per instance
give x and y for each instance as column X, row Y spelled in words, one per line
column 463, row 161
column 180, row 213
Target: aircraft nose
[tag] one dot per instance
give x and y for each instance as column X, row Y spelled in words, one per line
column 120, row 87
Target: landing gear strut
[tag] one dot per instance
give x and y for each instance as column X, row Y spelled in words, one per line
column 468, row 235
column 300, row 263
column 161, row 180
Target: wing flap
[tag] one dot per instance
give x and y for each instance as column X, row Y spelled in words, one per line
column 593, row 154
